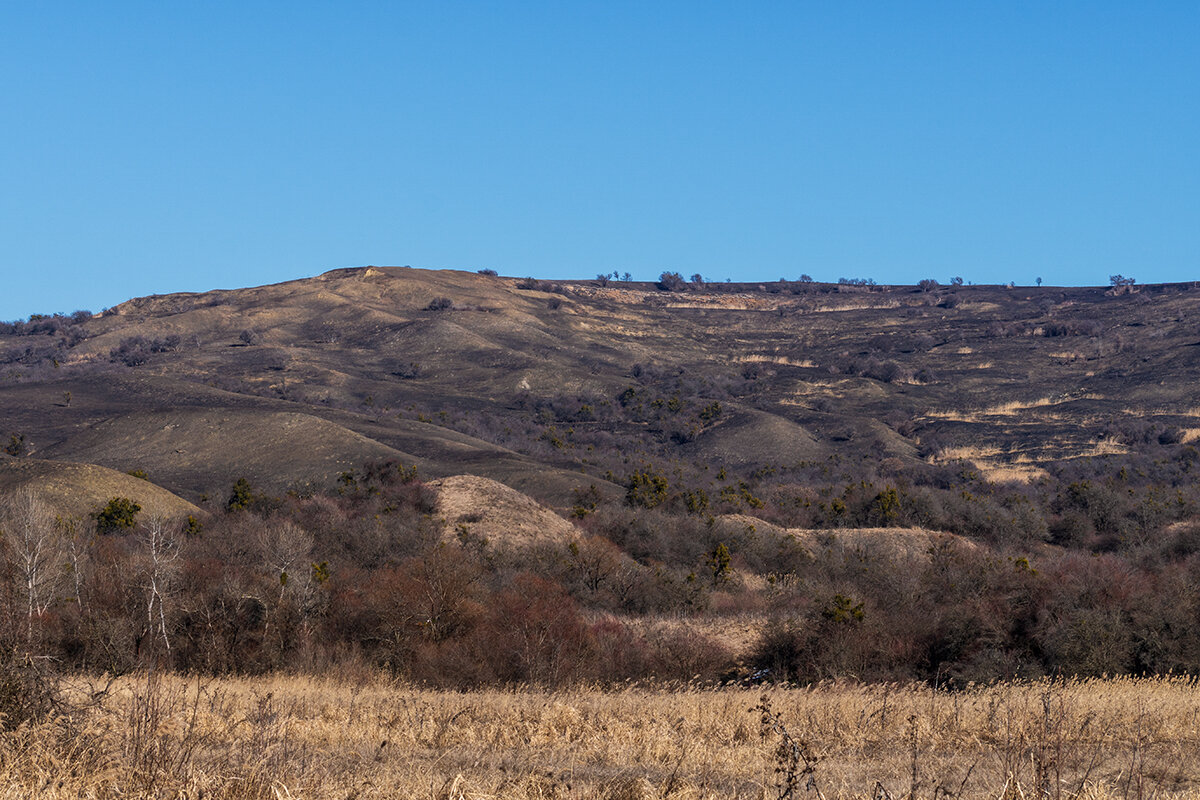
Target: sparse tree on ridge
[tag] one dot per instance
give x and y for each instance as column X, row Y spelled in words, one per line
column 671, row 282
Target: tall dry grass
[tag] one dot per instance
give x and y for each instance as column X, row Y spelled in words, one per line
column 293, row 737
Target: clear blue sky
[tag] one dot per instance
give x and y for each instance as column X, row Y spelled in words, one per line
column 169, row 146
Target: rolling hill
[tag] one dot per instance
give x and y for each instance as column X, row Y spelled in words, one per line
column 551, row 388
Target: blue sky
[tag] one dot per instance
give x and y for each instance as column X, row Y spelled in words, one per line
column 183, row 146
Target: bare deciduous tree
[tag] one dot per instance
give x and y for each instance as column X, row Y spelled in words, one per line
column 35, row 546
column 77, row 540
column 285, row 551
column 160, row 541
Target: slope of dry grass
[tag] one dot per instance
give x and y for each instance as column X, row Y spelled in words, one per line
column 482, row 507
column 287, row 737
column 79, row 489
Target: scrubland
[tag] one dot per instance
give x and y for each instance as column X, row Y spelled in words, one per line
column 365, row 736
column 868, row 491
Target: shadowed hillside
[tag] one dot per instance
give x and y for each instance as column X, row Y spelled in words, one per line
column 553, row 387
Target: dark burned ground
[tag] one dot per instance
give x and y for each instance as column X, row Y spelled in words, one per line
column 556, row 387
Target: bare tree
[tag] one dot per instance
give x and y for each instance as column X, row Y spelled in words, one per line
column 34, row 544
column 285, row 549
column 77, row 538
column 160, row 541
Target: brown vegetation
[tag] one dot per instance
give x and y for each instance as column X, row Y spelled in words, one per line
column 688, row 484
column 158, row 736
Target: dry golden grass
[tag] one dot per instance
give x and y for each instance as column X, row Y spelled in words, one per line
column 969, row 453
column 288, row 737
column 1008, row 409
column 772, row 359
column 1107, row 447
column 489, row 509
column 1010, row 473
column 995, row 464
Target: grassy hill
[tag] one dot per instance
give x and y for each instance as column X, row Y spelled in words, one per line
column 79, row 489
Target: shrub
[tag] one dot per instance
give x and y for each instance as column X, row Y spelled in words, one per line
column 440, row 304
column 136, row 350
column 780, row 651
column 117, row 515
column 407, row 371
column 684, row 654
column 241, row 497
column 488, row 272
column 671, row 282
column 645, row 489
column 535, row 634
column 1170, row 435
column 28, row 691
column 586, row 501
column 16, row 444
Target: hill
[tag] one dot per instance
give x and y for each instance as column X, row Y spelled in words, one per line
column 78, row 489
column 472, row 479
column 551, row 388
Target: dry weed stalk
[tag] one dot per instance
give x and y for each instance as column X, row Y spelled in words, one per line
column 158, row 735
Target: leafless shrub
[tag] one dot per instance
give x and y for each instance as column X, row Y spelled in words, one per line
column 671, row 282
column 136, row 350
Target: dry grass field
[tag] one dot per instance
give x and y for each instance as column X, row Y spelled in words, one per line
column 291, row 737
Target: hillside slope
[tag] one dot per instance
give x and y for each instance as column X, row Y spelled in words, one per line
column 552, row 388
